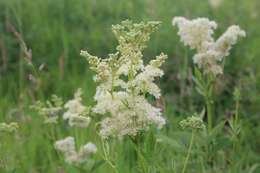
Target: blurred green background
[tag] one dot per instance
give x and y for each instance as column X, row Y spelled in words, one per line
column 56, row 31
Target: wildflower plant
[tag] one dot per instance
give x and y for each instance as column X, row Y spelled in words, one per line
column 72, row 111
column 67, row 148
column 195, row 124
column 74, row 114
column 49, row 110
column 210, row 53
column 9, row 128
column 124, row 82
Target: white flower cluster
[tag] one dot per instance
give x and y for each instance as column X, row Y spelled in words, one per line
column 124, row 81
column 73, row 110
column 11, row 127
column 67, row 148
column 76, row 112
column 51, row 110
column 197, row 34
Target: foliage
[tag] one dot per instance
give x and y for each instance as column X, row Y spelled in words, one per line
column 40, row 43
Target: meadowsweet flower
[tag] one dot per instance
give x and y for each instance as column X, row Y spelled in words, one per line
column 79, row 121
column 67, row 148
column 192, row 122
column 107, row 102
column 144, row 80
column 134, row 115
column 123, row 81
column 87, row 150
column 11, row 127
column 49, row 110
column 228, row 39
column 76, row 112
column 73, row 110
column 74, row 107
column 66, row 145
column 197, row 34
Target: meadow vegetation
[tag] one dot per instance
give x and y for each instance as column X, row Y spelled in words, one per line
column 157, row 93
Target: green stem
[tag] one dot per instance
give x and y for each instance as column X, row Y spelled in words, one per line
column 107, row 159
column 235, row 126
column 112, row 86
column 209, row 101
column 189, row 152
column 209, row 113
column 236, row 113
column 139, row 158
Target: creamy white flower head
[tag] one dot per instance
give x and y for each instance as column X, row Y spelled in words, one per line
column 103, row 98
column 79, row 121
column 73, row 159
column 144, row 81
column 67, row 147
column 85, row 152
column 194, row 32
column 118, row 126
column 228, row 39
column 106, row 102
column 76, row 113
column 197, row 34
column 135, row 115
column 120, row 94
column 208, row 61
column 74, row 107
column 88, row 149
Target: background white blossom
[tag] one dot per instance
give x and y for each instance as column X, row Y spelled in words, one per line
column 197, row 34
